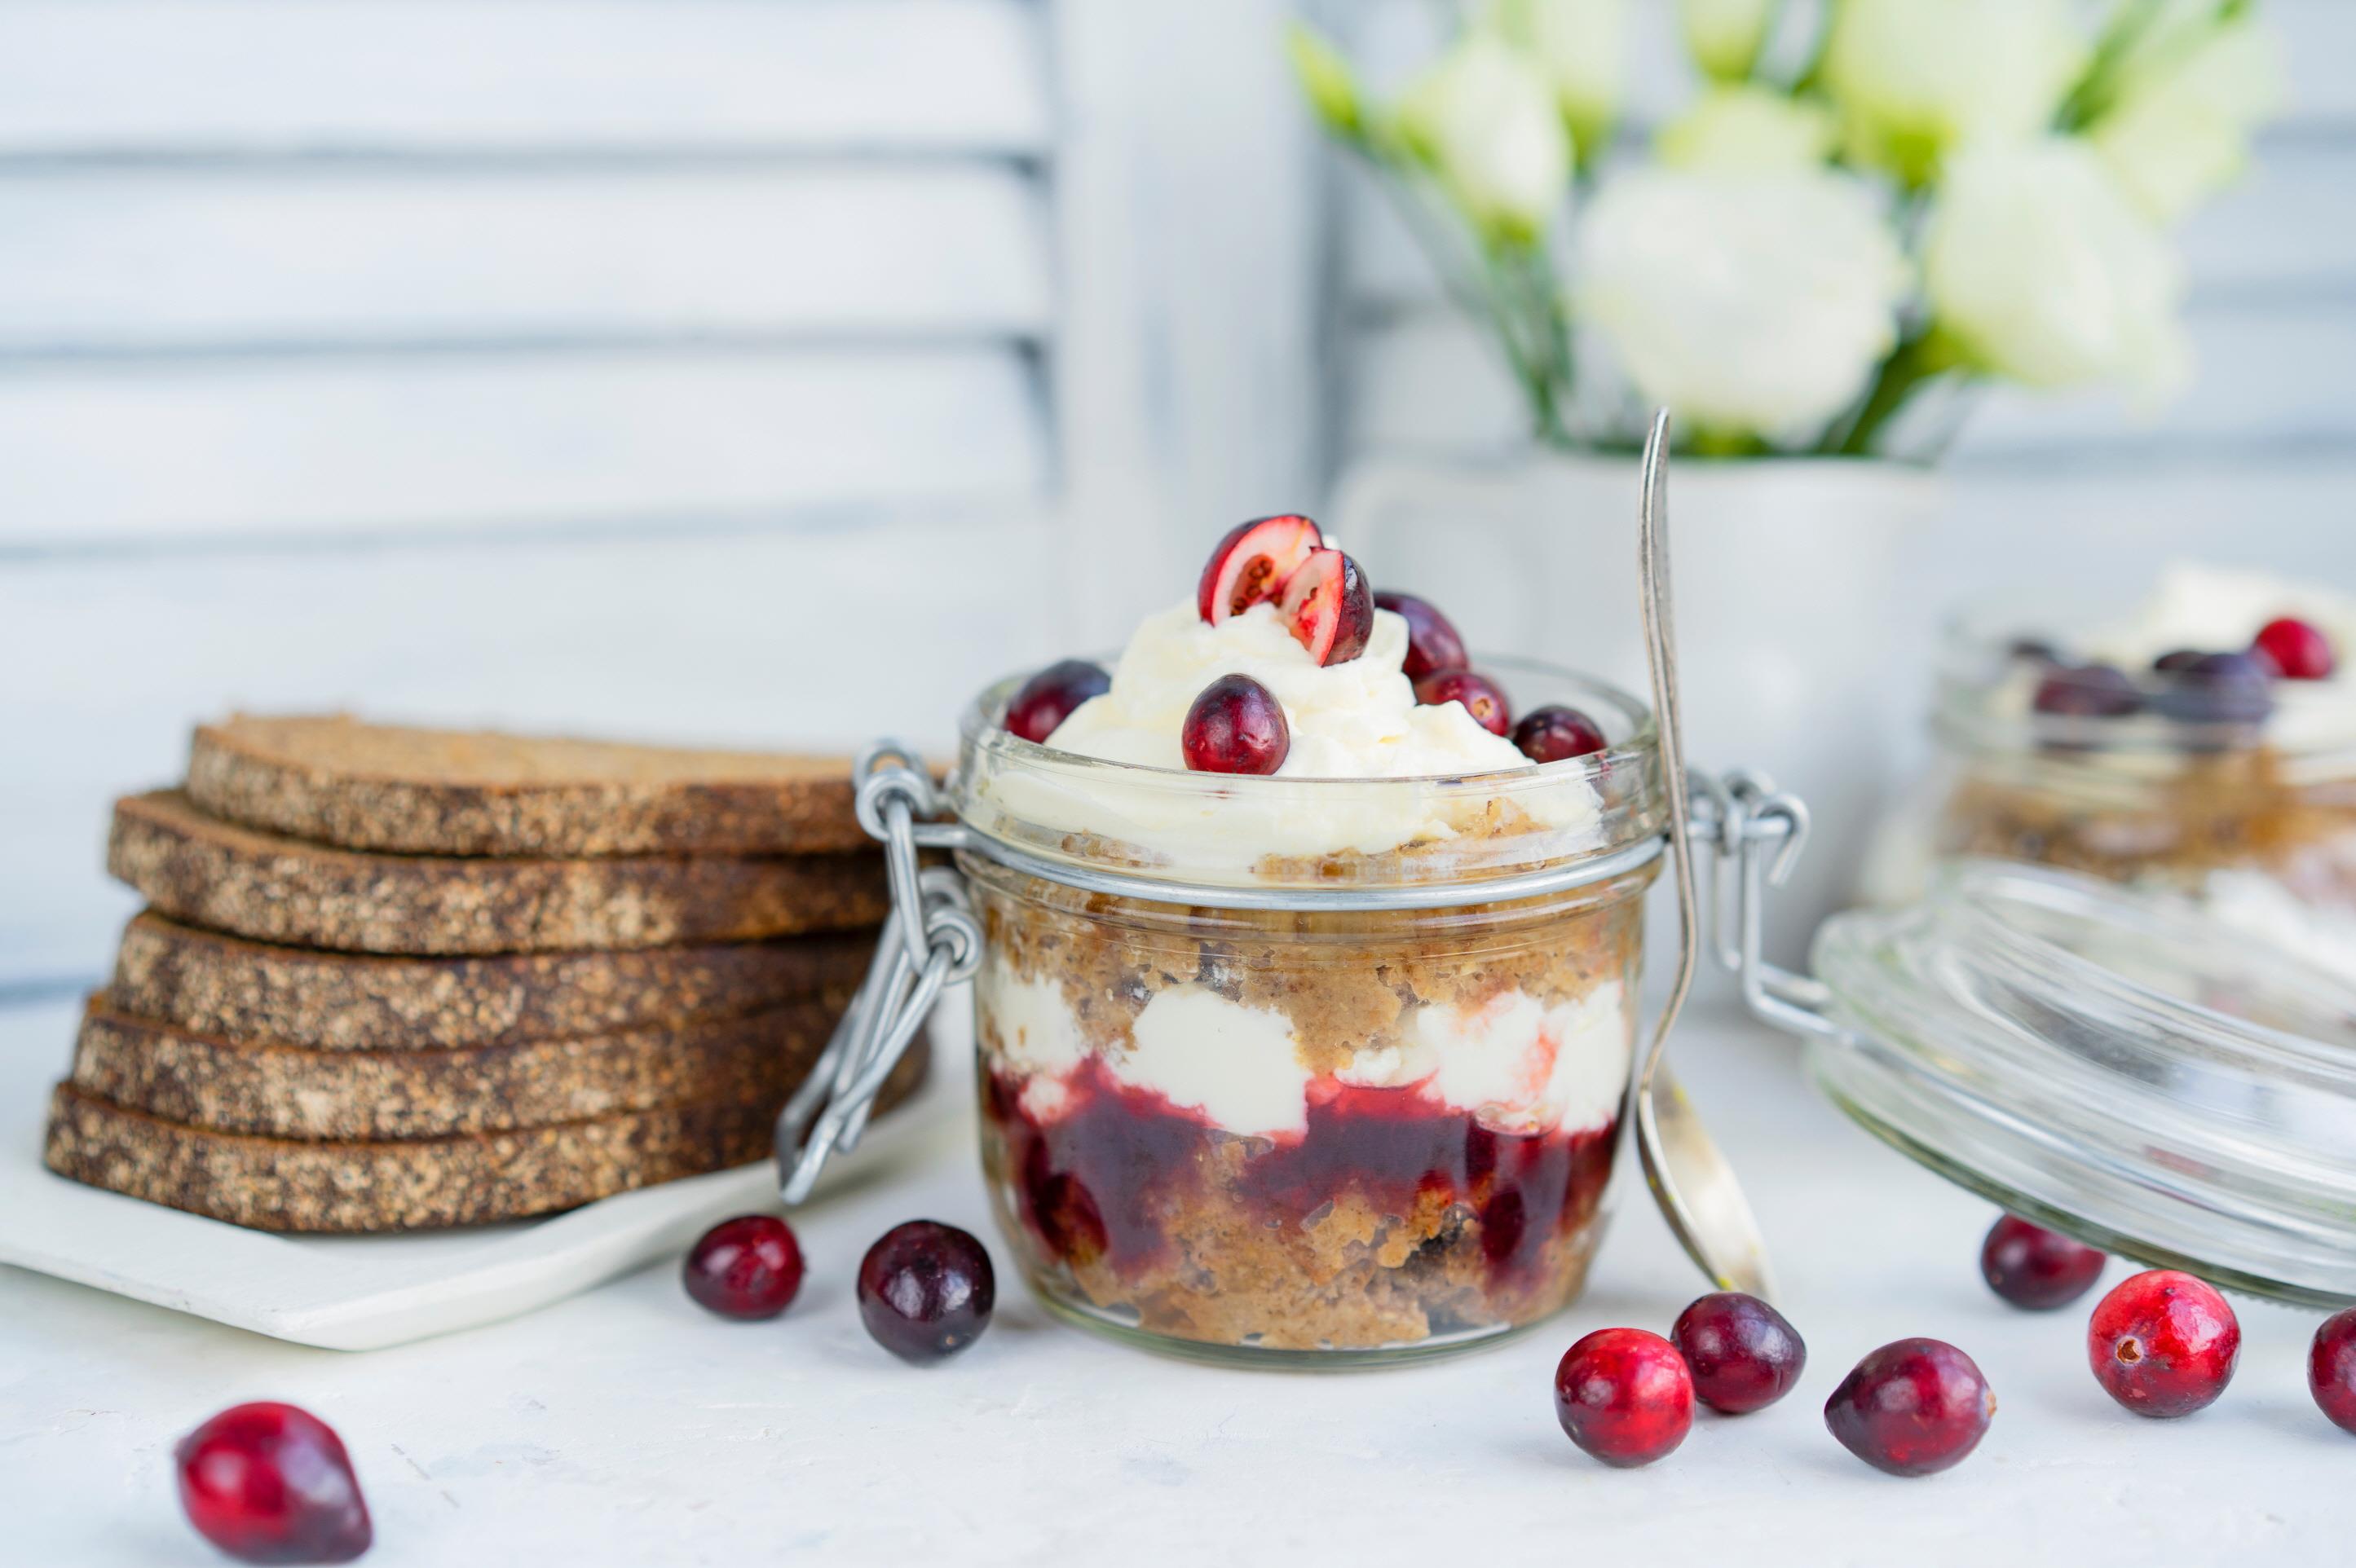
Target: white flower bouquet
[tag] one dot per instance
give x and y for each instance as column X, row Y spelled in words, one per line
column 1866, row 198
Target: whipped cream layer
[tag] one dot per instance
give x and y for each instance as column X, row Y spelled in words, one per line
column 1515, row 1064
column 1354, row 721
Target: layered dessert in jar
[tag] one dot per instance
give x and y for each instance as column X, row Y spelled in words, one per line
column 1309, row 996
column 2202, row 745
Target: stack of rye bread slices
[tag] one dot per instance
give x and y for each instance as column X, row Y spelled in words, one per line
column 394, row 978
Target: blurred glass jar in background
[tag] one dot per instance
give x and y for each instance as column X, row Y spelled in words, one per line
column 2164, row 747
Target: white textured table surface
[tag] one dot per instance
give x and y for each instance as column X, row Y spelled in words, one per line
column 628, row 1427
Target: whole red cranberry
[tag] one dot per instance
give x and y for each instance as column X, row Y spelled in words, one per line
column 2032, row 1267
column 1432, row 642
column 926, row 1291
column 1481, row 697
column 1236, row 726
column 2331, row 1369
column 2087, row 691
column 1912, row 1408
column 1624, row 1396
column 748, row 1267
column 1047, row 699
column 2298, row 649
column 271, row 1483
column 1549, row 735
column 1744, row 1354
column 2163, row 1343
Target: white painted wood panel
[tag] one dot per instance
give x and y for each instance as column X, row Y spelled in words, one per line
column 85, row 76
column 206, row 449
column 115, row 260
column 814, row 636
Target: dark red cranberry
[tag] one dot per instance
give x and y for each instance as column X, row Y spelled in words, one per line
column 2032, row 650
column 2177, row 661
column 926, row 1291
column 270, row 1483
column 2218, row 689
column 2163, row 1343
column 1237, row 726
column 1624, row 1396
column 1912, row 1408
column 2331, row 1369
column 1549, row 735
column 1328, row 607
column 2032, row 1267
column 1047, row 699
column 2298, row 649
column 1481, row 697
column 1432, row 642
column 748, row 1267
column 1742, row 1353
column 2088, row 691
column 1253, row 563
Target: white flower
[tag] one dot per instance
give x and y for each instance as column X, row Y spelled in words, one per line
column 1582, row 46
column 1915, row 79
column 1724, row 36
column 1751, row 129
column 2038, row 268
column 1748, row 303
column 1484, row 120
column 2178, row 122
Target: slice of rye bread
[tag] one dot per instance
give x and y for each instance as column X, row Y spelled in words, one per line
column 198, row 869
column 277, row 1090
column 210, row 984
column 278, row 1184
column 338, row 780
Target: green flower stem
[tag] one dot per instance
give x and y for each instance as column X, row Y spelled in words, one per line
column 1911, row 365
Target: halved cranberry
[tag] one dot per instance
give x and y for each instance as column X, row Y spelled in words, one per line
column 2088, row 691
column 1912, row 1408
column 2298, row 649
column 1328, row 607
column 1253, row 563
column 1047, row 699
column 1549, row 735
column 271, row 1483
column 1432, row 642
column 2034, row 1269
column 2331, row 1369
column 1624, row 1396
column 2163, row 1343
column 1481, row 697
column 748, row 1267
column 926, row 1291
column 1236, row 726
column 1744, row 1354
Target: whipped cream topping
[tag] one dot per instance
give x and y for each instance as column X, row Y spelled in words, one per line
column 1515, row 1064
column 1357, row 719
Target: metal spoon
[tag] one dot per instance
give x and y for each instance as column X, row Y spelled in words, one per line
column 1689, row 1178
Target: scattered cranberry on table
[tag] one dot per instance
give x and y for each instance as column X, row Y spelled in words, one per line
column 1912, row 1408
column 1432, row 642
column 1551, row 734
column 2163, row 1343
column 271, row 1483
column 926, row 1291
column 1624, row 1396
column 2331, row 1369
column 1481, row 697
column 1253, row 563
column 1329, row 607
column 2297, row 649
column 1236, row 726
column 749, row 1267
column 2036, row 1268
column 1047, row 699
column 1744, row 1354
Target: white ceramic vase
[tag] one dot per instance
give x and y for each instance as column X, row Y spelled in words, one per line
column 1788, row 616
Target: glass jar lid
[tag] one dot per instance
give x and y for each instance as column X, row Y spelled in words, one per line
column 2109, row 1062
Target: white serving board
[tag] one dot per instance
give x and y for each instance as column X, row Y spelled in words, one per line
column 361, row 1293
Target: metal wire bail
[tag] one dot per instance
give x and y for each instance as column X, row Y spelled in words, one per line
column 930, row 941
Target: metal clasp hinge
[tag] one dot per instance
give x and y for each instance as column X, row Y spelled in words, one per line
column 1758, row 833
